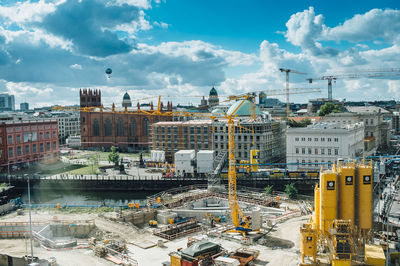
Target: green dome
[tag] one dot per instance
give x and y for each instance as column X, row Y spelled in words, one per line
column 213, row 92
column 126, row 96
column 244, row 109
column 218, row 111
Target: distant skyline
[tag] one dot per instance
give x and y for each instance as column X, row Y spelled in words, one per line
column 51, row 49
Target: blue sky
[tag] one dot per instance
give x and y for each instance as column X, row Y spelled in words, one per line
column 51, row 49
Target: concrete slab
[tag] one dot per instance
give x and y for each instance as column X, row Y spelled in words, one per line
column 143, row 243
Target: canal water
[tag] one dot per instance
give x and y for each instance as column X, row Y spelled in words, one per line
column 73, row 197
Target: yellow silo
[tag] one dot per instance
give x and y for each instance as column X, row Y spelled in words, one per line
column 364, row 191
column 317, row 208
column 308, row 242
column 346, row 193
column 328, row 195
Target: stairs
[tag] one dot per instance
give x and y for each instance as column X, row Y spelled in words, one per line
column 219, row 164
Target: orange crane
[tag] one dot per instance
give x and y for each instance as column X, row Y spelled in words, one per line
column 377, row 73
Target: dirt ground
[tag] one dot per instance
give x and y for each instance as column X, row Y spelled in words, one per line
column 288, row 230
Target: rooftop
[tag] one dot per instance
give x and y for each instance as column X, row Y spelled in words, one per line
column 366, row 109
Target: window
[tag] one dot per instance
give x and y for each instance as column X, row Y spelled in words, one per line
column 47, row 135
column 315, row 139
column 54, row 145
column 221, row 137
column 205, row 130
column 191, row 130
column 26, row 149
column 120, row 127
column 54, row 134
column 41, row 147
column 132, row 127
column 107, row 127
column 96, row 127
column 9, row 139
column 336, row 151
column 245, row 138
column 322, row 151
column 309, row 139
column 372, row 134
column 18, row 138
column 366, row 121
column 48, row 146
column 329, row 140
column 297, row 150
column 296, row 139
column 19, row 151
column 372, row 121
column 206, row 146
column 329, row 151
column 145, row 126
column 198, row 130
column 309, row 150
column 303, row 150
column 322, row 139
column 185, row 130
column 303, row 139
column 336, row 139
column 34, row 148
column 10, row 152
column 41, row 135
column 316, row 151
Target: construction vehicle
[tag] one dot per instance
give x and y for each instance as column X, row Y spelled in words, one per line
column 153, row 223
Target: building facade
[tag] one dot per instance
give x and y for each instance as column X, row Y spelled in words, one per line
column 323, row 143
column 268, row 137
column 396, row 123
column 69, row 124
column 25, row 142
column 125, row 128
column 172, row 137
column 376, row 126
column 24, row 106
column 7, row 102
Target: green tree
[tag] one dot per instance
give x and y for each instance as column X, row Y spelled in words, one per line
column 268, row 189
column 113, row 156
column 328, row 108
column 303, row 123
column 291, row 190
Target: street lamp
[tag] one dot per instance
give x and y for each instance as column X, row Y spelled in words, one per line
column 30, row 216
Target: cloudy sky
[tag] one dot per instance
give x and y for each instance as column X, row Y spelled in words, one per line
column 181, row 48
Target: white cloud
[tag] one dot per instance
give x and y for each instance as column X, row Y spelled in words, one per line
column 24, row 12
column 76, row 66
column 146, row 4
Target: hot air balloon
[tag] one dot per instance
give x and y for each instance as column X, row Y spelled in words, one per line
column 108, row 72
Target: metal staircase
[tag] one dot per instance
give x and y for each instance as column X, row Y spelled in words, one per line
column 219, row 164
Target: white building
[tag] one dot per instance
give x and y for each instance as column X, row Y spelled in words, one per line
column 69, row 124
column 323, row 143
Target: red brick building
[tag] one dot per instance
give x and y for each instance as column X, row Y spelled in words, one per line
column 124, row 127
column 25, row 142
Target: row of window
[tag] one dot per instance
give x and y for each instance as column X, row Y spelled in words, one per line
column 28, row 150
column 317, row 151
column 120, row 130
column 29, row 137
column 192, row 146
column 316, row 139
column 316, row 162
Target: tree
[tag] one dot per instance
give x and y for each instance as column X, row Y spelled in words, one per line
column 303, row 123
column 269, row 189
column 113, row 156
column 328, row 108
column 291, row 191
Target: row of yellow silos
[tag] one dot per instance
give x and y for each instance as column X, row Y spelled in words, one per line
column 344, row 193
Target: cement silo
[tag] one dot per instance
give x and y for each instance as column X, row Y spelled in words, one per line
column 347, row 193
column 328, row 195
column 364, row 192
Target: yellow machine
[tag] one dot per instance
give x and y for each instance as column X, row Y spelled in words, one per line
column 153, row 223
column 254, row 156
column 308, row 242
column 342, row 204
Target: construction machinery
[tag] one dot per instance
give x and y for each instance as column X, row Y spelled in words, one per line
column 379, row 73
column 153, row 223
column 342, row 216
